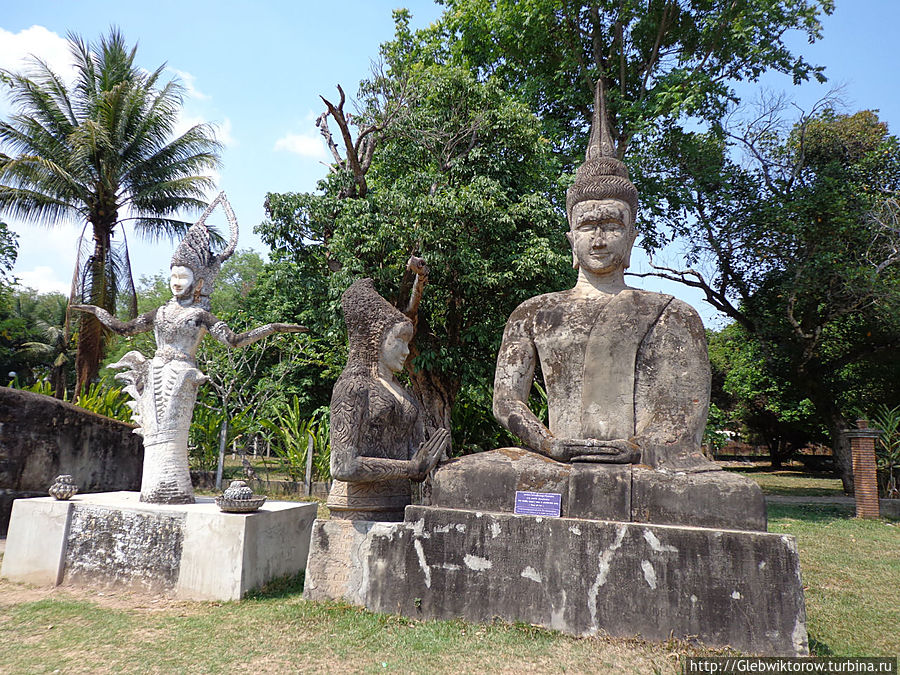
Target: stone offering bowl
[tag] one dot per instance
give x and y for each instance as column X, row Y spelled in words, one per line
column 63, row 487
column 239, row 498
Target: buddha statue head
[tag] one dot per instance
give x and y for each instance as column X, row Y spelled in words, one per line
column 602, row 203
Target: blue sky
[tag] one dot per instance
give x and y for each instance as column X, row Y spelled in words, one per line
column 258, row 70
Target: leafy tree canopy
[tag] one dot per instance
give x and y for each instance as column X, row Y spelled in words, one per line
column 459, row 177
column 666, row 65
column 800, row 245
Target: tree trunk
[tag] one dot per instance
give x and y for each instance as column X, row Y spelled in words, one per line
column 87, row 359
column 843, row 460
column 223, row 436
column 97, row 288
column 437, row 394
column 58, row 381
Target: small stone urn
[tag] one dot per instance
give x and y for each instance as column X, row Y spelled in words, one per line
column 239, row 498
column 63, row 487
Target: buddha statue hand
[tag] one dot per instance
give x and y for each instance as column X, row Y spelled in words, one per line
column 618, row 451
column 428, row 455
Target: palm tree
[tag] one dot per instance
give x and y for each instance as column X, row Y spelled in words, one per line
column 52, row 343
column 101, row 151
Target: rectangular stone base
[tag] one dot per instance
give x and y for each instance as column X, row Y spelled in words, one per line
column 193, row 551
column 725, row 587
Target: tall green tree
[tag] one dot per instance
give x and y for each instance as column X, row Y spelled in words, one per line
column 666, row 65
column 458, row 174
column 100, row 151
column 9, row 251
column 798, row 242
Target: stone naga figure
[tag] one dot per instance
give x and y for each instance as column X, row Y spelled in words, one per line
column 378, row 438
column 626, row 370
column 164, row 388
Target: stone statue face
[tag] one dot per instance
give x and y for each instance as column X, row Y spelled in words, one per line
column 181, row 281
column 601, row 235
column 395, row 346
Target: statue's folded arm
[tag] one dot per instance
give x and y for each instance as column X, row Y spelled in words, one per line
column 672, row 385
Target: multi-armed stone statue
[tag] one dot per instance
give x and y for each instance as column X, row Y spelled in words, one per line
column 164, row 388
column 378, row 436
column 627, row 379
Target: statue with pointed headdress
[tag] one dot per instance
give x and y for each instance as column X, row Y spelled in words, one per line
column 379, row 439
column 164, row 387
column 626, row 370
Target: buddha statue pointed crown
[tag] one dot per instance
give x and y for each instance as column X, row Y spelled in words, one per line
column 603, row 175
column 194, row 250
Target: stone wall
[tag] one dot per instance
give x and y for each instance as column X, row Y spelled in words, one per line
column 580, row 577
column 42, row 437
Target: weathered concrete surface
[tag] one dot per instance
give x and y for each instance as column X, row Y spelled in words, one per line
column 725, row 587
column 123, row 547
column 338, row 552
column 36, row 542
column 7, row 497
column 228, row 554
column 488, row 481
column 42, row 437
column 192, row 551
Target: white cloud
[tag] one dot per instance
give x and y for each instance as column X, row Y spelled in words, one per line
column 305, row 145
column 43, row 279
column 188, row 80
column 223, row 133
column 15, row 48
column 222, row 129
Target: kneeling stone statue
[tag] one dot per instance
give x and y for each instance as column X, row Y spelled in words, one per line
column 379, row 442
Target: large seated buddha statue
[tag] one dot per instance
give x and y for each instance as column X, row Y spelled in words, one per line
column 627, row 378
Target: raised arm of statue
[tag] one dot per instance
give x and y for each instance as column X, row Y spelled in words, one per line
column 348, row 411
column 221, row 332
column 141, row 324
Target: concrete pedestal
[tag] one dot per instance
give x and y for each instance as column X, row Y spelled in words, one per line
column 725, row 587
column 193, row 551
column 488, row 481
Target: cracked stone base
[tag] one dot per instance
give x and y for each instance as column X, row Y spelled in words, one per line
column 723, row 587
column 192, row 551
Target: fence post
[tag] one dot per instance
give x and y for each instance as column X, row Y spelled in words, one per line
column 865, row 474
column 307, row 484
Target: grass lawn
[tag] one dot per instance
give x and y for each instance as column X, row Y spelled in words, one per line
column 851, row 576
column 279, row 632
column 851, row 570
column 790, row 480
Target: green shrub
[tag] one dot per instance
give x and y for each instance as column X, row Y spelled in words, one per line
column 887, row 450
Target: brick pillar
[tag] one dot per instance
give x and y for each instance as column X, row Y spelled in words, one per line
column 865, row 477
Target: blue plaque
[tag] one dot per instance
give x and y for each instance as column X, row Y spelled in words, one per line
column 538, row 503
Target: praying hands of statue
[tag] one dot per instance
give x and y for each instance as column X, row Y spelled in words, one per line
column 428, row 455
column 617, row 451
